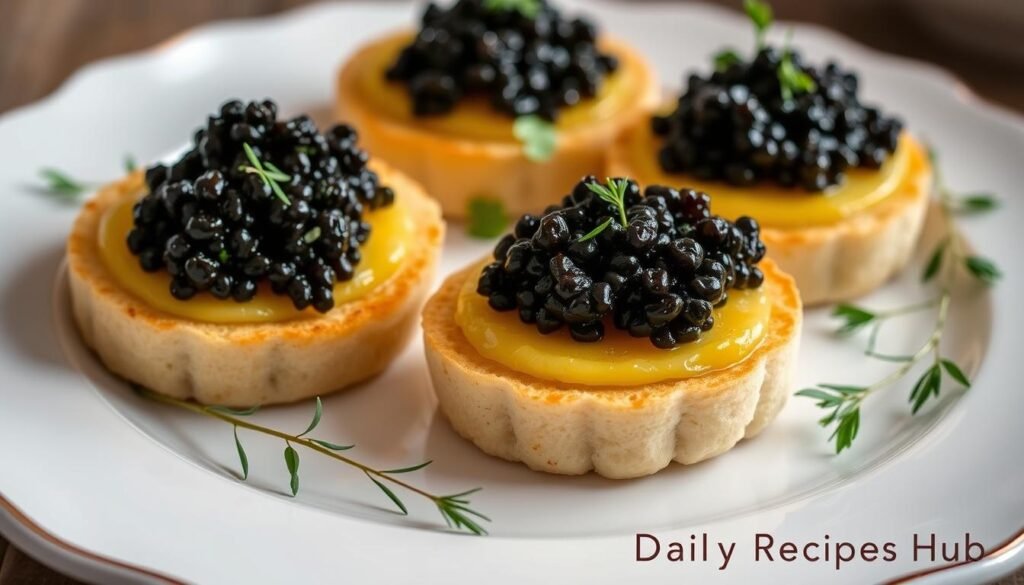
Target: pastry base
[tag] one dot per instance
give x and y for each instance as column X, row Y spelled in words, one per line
column 249, row 364
column 618, row 432
column 458, row 170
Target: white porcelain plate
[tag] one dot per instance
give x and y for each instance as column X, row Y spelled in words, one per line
column 110, row 487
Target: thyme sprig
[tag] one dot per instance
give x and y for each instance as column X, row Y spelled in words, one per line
column 454, row 509
column 266, row 171
column 613, row 192
column 792, row 79
column 63, row 185
column 842, row 401
column 527, row 8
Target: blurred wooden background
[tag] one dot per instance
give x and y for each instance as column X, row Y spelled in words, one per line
column 43, row 42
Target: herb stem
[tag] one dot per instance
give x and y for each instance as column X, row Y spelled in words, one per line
column 200, row 409
column 442, row 502
column 843, row 401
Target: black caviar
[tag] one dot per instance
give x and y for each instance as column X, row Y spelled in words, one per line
column 525, row 61
column 736, row 125
column 658, row 277
column 215, row 224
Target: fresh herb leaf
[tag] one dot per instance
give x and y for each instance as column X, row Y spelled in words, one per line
column 317, row 414
column 792, row 79
column 842, row 389
column 726, row 58
column 847, row 429
column 854, row 317
column 233, row 411
column 408, row 469
column 977, row 203
column 486, row 217
column 615, row 193
column 538, row 136
column 291, row 461
column 59, row 183
column 241, row 456
column 956, row 373
column 926, row 387
column 270, row 177
column 983, row 269
column 223, row 256
column 527, row 8
column 129, row 163
column 312, row 235
column 390, row 494
column 935, row 262
column 597, row 231
column 332, row 446
column 760, row 13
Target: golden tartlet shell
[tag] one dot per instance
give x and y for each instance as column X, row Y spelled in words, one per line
column 618, row 432
column 457, row 170
column 251, row 363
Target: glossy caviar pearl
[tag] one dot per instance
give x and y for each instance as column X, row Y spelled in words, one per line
column 659, row 277
column 524, row 64
column 736, row 126
column 216, row 227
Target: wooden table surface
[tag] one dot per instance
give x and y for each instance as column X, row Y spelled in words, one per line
column 44, row 42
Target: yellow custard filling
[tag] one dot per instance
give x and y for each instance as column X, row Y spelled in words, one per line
column 780, row 207
column 473, row 117
column 382, row 255
column 740, row 326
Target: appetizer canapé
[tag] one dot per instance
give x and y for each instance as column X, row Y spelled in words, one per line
column 622, row 330
column 271, row 262
column 489, row 101
column 840, row 188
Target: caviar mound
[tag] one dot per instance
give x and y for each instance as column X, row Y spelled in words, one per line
column 526, row 60
column 738, row 125
column 246, row 364
column 832, row 262
column 619, row 431
column 654, row 264
column 259, row 199
column 472, row 152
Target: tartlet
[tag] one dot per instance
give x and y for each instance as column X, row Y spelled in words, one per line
column 468, row 150
column 842, row 214
column 623, row 423
column 238, row 363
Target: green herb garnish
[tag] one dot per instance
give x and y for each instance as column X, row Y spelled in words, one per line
column 538, row 136
column 726, row 58
column 454, row 508
column 843, row 402
column 486, row 217
column 792, row 80
column 312, row 235
column 223, row 256
column 527, row 8
column 613, row 192
column 760, row 13
column 129, row 163
column 266, row 171
column 60, row 183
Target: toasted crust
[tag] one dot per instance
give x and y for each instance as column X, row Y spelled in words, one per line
column 619, row 432
column 849, row 258
column 249, row 364
column 455, row 170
